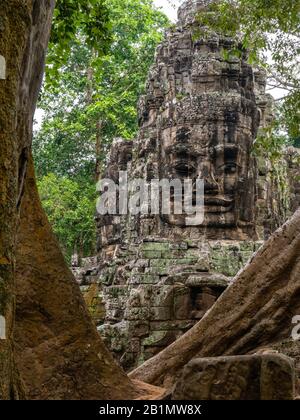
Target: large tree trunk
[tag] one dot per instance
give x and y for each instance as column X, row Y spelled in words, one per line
column 255, row 311
column 58, row 351
column 17, row 19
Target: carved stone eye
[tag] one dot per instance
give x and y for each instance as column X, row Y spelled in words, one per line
column 184, row 165
column 183, row 170
column 230, row 168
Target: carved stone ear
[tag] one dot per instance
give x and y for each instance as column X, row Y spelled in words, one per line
column 2, row 328
column 2, row 68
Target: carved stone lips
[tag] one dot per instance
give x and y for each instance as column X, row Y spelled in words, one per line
column 218, row 201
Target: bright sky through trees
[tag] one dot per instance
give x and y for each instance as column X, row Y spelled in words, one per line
column 169, row 7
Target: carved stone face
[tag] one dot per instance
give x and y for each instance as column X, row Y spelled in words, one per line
column 219, row 153
column 207, row 123
column 201, row 111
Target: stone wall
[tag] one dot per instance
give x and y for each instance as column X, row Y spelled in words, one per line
column 152, row 292
column 258, row 377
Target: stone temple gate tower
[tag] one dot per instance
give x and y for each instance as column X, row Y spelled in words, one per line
column 156, row 276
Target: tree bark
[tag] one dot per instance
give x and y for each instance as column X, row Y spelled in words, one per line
column 58, row 350
column 17, row 19
column 254, row 312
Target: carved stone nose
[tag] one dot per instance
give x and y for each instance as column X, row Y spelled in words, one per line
column 210, row 186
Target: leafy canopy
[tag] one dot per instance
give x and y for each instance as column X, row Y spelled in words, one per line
column 70, row 207
column 92, row 95
column 90, row 17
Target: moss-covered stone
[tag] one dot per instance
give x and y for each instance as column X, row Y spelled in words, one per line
column 151, row 254
column 157, row 339
column 155, row 246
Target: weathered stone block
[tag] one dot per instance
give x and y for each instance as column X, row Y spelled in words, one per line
column 215, row 280
column 142, row 263
column 162, row 296
column 179, row 245
column 193, row 253
column 135, row 314
column 255, row 377
column 159, row 339
column 155, row 246
column 116, row 344
column 174, row 254
column 162, row 263
column 149, row 279
column 187, row 261
column 114, row 315
column 150, row 254
column 159, row 271
column 138, row 270
column 176, row 325
column 144, row 279
column 161, row 313
column 115, row 292
column 138, row 328
column 134, row 345
column 182, row 302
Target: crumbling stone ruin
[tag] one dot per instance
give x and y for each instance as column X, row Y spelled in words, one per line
column 257, row 314
column 156, row 276
column 257, row 377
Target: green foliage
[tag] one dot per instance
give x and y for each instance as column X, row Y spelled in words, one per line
column 94, row 96
column 93, row 88
column 290, row 109
column 270, row 143
column 65, row 144
column 90, row 17
column 70, row 207
column 270, row 147
column 296, row 142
